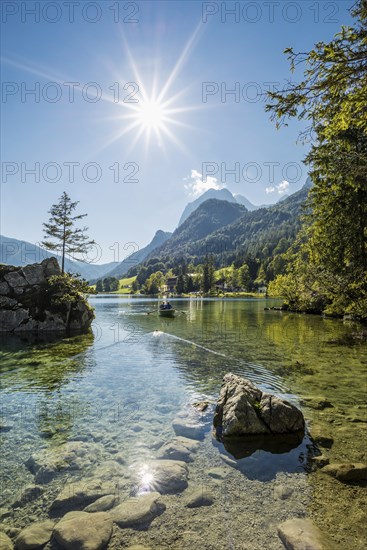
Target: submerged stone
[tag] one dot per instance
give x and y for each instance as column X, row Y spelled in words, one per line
column 4, row 427
column 77, row 495
column 218, row 473
column 303, row 534
column 317, row 403
column 201, row 405
column 191, row 444
column 34, row 536
column 109, row 470
column 102, row 504
column 5, row 542
column 199, row 497
column 166, row 476
column 83, row 531
column 5, row 512
column 282, row 492
column 180, row 448
column 320, row 461
column 320, row 437
column 137, row 511
column 72, row 456
column 189, row 429
column 28, row 494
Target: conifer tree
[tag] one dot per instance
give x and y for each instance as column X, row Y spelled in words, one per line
column 60, row 232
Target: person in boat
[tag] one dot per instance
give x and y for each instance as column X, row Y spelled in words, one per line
column 166, row 305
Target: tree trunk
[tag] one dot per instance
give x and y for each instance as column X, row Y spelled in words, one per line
column 63, row 251
column 68, row 317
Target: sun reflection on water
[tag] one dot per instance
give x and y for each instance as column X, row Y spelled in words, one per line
column 146, row 479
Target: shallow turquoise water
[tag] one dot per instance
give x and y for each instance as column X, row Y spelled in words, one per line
column 123, row 386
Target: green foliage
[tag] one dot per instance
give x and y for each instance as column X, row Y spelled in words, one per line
column 207, row 275
column 135, row 286
column 332, row 96
column 65, row 238
column 142, row 275
column 99, row 285
column 232, row 278
column 180, row 287
column 154, row 283
column 261, row 277
column 108, row 284
column 65, row 290
column 111, row 284
column 328, row 271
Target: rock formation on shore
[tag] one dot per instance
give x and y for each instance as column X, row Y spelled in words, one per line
column 30, row 301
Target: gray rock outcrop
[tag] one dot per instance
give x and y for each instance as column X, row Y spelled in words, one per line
column 243, row 409
column 29, row 303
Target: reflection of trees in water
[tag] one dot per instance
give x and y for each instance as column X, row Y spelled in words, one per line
column 273, row 345
column 219, row 326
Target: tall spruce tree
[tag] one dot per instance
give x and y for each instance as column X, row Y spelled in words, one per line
column 66, row 238
column 207, row 277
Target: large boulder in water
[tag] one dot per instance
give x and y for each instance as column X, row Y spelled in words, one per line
column 243, row 410
column 30, row 301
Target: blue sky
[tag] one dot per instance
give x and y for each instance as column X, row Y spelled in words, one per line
column 175, row 50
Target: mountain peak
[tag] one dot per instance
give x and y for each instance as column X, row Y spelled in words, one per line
column 209, row 216
column 160, row 235
column 220, row 194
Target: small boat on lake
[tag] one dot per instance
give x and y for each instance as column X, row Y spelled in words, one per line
column 166, row 310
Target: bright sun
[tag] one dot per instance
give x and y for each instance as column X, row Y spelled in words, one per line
column 151, row 115
column 155, row 113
